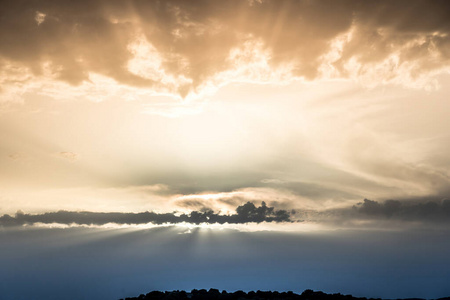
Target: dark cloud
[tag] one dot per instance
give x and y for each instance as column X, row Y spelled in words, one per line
column 432, row 212
column 246, row 213
column 394, row 209
column 371, row 213
column 194, row 38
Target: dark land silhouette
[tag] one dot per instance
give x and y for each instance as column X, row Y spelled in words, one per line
column 215, row 294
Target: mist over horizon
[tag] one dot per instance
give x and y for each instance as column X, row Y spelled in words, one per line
column 108, row 263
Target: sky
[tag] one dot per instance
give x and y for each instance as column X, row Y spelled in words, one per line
column 239, row 144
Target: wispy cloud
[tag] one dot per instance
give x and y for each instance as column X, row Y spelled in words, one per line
column 68, row 155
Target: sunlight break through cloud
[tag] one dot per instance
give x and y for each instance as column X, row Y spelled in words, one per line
column 189, row 49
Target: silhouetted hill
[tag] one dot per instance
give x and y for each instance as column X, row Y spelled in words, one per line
column 214, row 294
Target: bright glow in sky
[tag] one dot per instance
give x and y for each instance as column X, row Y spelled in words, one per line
column 300, row 145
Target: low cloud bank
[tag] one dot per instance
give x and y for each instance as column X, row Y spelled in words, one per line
column 394, row 209
column 370, row 213
column 368, row 210
column 247, row 213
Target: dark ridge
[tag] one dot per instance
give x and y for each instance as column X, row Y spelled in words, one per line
column 215, row 294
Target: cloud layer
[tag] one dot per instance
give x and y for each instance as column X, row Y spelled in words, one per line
column 393, row 209
column 389, row 214
column 246, row 213
column 181, row 46
column 421, row 212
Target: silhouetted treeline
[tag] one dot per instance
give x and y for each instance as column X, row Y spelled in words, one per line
column 214, row 294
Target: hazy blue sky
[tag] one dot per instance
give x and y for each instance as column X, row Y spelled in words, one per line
column 80, row 263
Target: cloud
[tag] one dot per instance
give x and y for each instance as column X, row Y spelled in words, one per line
column 15, row 156
column 40, row 17
column 183, row 47
column 394, row 209
column 68, row 155
column 246, row 213
column 387, row 214
column 367, row 214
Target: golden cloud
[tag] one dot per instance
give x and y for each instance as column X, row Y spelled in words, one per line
column 185, row 47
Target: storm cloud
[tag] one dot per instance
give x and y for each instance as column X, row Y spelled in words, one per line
column 245, row 213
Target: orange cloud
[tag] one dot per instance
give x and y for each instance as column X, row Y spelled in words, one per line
column 183, row 47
